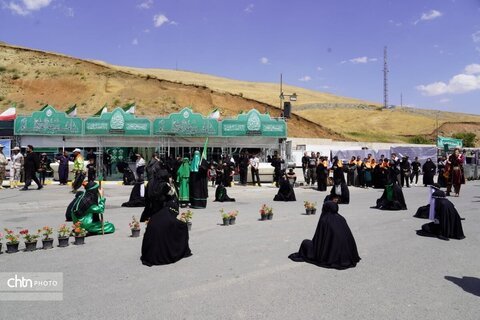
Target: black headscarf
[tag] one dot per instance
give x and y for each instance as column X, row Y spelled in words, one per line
column 86, row 200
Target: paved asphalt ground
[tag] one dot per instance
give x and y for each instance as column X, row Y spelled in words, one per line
column 242, row 271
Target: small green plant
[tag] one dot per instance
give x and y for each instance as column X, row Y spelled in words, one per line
column 63, row 231
column 224, row 214
column 309, row 205
column 2, row 69
column 29, row 237
column 11, row 236
column 186, row 216
column 46, row 232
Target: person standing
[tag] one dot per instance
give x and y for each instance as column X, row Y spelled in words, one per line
column 405, row 172
column 415, row 170
column 277, row 171
column 3, row 165
column 91, row 170
column 62, row 159
column 140, row 167
column 254, row 165
column 16, row 168
column 78, row 170
column 152, row 165
column 429, row 168
column 322, row 174
column 198, row 182
column 456, row 176
column 91, row 156
column 305, row 160
column 183, row 182
column 352, row 170
column 107, row 164
column 44, row 167
column 360, row 174
column 32, row 164
column 441, row 180
column 312, row 169
column 243, row 168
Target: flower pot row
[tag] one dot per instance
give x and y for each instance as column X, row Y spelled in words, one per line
column 12, row 247
column 310, row 211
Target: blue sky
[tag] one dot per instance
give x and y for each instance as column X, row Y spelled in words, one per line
column 333, row 46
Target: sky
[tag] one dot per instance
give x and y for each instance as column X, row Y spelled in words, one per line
column 333, row 46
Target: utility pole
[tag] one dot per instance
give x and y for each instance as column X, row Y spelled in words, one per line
column 401, row 99
column 385, row 78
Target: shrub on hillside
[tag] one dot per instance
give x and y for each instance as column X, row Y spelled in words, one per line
column 419, row 140
column 467, row 137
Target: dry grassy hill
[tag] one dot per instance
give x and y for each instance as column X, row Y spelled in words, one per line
column 33, row 78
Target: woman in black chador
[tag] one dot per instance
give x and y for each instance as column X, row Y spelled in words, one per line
column 137, row 196
column 221, row 194
column 423, row 212
column 446, row 222
column 166, row 238
column 333, row 245
column 160, row 185
column 392, row 198
column 285, row 192
column 339, row 190
column 429, row 169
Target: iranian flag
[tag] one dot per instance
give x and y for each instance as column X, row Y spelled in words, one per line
column 9, row 114
column 215, row 114
column 72, row 111
column 129, row 108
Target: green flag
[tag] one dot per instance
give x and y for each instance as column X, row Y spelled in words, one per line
column 204, row 151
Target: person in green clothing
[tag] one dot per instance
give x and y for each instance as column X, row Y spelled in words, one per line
column 183, row 181
column 87, row 208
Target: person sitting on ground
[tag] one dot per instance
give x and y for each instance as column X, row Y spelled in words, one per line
column 166, row 238
column 221, row 194
column 285, row 192
column 137, row 196
column 446, row 222
column 339, row 189
column 333, row 245
column 435, row 192
column 87, row 208
column 392, row 198
column 292, row 177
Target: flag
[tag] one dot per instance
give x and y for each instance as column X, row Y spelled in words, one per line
column 72, row 111
column 9, row 114
column 215, row 114
column 101, row 111
column 129, row 108
column 44, row 107
column 204, row 151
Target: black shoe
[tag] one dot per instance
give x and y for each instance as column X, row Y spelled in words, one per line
column 23, row 189
column 40, row 187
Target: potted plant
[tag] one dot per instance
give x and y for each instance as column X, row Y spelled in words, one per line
column 264, row 212
column 233, row 216
column 225, row 217
column 12, row 241
column 63, row 235
column 135, row 227
column 310, row 207
column 79, row 233
column 30, row 240
column 187, row 217
column 46, row 241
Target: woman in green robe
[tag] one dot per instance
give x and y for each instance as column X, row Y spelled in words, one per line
column 87, row 209
column 183, row 181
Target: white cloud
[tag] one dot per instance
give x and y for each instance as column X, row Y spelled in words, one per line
column 359, row 60
column 146, row 4
column 69, row 12
column 472, row 69
column 249, row 8
column 146, row 31
column 159, row 20
column 135, row 42
column 264, row 60
column 25, row 7
column 460, row 83
column 476, row 37
column 430, row 15
column 319, row 68
column 305, row 78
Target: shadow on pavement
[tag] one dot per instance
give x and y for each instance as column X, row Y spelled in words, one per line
column 468, row 284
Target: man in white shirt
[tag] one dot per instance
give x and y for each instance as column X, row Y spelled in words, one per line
column 254, row 164
column 16, row 167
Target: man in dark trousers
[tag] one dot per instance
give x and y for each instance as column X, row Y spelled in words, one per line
column 243, row 168
column 415, row 170
column 305, row 160
column 31, row 166
column 405, row 168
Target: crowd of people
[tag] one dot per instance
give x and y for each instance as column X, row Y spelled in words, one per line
column 181, row 182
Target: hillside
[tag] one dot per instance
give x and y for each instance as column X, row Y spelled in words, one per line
column 32, row 78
